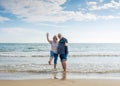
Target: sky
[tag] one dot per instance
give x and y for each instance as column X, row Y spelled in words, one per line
column 80, row 21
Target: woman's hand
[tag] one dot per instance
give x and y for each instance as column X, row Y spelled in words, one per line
column 47, row 34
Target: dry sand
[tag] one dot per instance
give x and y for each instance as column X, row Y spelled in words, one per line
column 58, row 82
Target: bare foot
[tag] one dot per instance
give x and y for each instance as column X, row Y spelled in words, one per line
column 49, row 62
column 55, row 69
column 64, row 75
column 64, row 72
column 55, row 78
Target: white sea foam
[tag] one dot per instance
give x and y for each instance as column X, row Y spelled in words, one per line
column 76, row 64
column 46, row 54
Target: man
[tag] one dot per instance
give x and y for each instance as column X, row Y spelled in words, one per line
column 63, row 50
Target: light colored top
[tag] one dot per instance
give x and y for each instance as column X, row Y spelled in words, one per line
column 54, row 46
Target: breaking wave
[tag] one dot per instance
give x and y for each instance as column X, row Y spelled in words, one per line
column 46, row 54
column 72, row 68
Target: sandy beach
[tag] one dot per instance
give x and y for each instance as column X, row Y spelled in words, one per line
column 58, row 82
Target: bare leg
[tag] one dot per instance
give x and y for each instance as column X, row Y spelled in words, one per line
column 50, row 61
column 64, row 66
column 55, row 66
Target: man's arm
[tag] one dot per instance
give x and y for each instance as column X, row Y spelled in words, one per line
column 66, row 42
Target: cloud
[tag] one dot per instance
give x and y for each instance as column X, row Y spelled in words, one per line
column 35, row 10
column 92, row 3
column 51, row 10
column 23, row 35
column 92, row 36
column 42, row 10
column 112, row 4
column 88, row 16
column 2, row 19
column 109, row 17
column 101, row 0
column 50, row 25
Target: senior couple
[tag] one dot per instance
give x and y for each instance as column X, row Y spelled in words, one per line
column 58, row 48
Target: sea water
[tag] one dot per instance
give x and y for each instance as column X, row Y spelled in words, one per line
column 85, row 60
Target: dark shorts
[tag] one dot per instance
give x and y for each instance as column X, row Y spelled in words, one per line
column 63, row 57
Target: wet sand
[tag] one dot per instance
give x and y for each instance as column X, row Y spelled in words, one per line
column 59, row 82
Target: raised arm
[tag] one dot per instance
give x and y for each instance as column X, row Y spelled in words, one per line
column 47, row 35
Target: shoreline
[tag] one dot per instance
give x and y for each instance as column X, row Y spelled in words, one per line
column 58, row 75
column 59, row 82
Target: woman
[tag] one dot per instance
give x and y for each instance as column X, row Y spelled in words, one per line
column 53, row 51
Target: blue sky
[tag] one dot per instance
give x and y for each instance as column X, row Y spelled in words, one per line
column 81, row 21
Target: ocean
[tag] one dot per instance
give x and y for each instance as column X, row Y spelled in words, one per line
column 20, row 61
